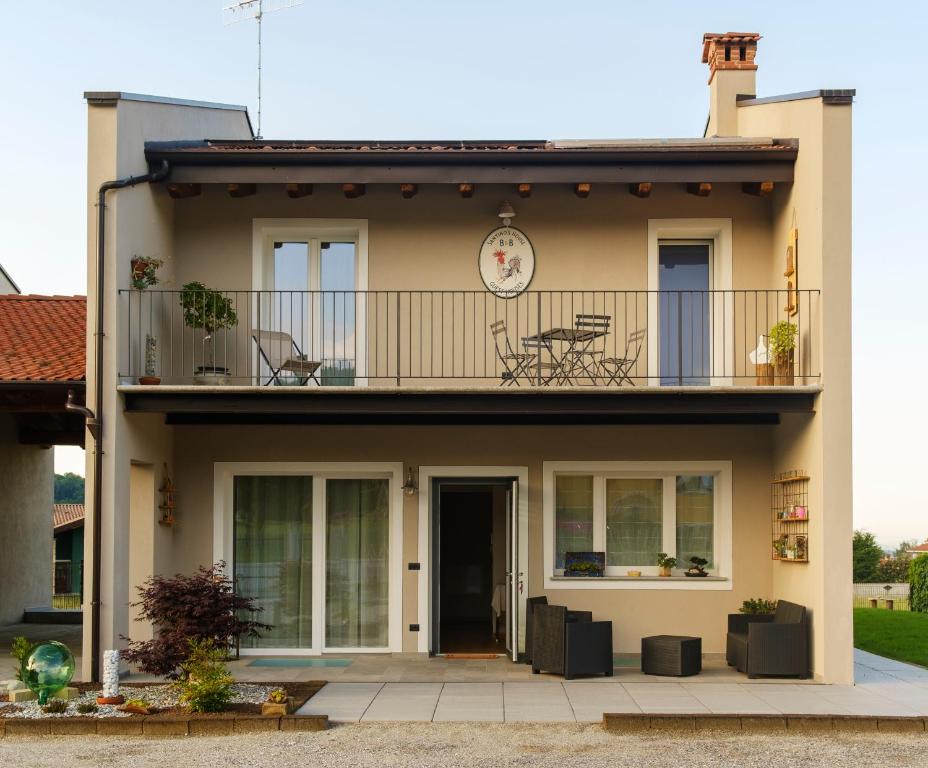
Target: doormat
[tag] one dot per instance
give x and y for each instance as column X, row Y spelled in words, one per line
column 278, row 661
column 472, row 655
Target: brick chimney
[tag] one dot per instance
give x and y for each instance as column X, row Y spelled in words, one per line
column 730, row 56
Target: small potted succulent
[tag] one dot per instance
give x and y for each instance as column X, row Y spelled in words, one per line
column 665, row 563
column 151, row 355
column 697, row 567
column 782, row 351
column 144, row 272
column 278, row 703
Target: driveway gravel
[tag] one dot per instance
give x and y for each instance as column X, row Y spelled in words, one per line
column 427, row 745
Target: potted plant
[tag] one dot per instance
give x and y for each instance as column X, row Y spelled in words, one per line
column 151, row 354
column 758, row 606
column 144, row 272
column 278, row 703
column 697, row 567
column 782, row 342
column 209, row 311
column 665, row 563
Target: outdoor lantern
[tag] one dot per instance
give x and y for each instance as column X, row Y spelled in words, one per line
column 409, row 487
column 506, row 213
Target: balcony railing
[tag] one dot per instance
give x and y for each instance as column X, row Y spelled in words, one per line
column 467, row 338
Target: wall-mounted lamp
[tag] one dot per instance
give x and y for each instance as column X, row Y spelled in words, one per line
column 506, row 213
column 409, row 487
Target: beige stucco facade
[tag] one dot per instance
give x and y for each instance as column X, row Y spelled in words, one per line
column 429, row 243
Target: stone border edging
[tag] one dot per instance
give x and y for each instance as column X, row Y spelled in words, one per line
column 160, row 725
column 636, row 723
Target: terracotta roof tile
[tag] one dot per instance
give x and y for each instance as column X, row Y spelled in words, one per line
column 67, row 515
column 42, row 338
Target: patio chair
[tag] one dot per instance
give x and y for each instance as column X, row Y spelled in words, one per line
column 514, row 363
column 585, row 359
column 530, row 604
column 538, row 369
column 771, row 644
column 619, row 369
column 283, row 357
column 570, row 643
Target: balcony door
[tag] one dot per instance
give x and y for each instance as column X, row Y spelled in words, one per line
column 309, row 277
column 684, row 273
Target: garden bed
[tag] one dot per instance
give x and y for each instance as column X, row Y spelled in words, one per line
column 168, row 717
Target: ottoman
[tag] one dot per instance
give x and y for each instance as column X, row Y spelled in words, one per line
column 675, row 655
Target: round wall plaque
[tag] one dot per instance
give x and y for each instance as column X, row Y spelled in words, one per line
column 506, row 262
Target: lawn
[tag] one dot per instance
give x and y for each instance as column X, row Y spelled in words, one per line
column 900, row 635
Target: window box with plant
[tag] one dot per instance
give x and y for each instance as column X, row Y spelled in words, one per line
column 209, row 311
column 782, row 341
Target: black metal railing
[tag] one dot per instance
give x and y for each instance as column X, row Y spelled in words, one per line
column 469, row 338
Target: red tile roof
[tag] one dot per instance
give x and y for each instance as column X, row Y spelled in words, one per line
column 67, row 516
column 42, row 338
column 919, row 548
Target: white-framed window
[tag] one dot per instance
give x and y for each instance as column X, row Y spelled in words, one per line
column 319, row 546
column 631, row 511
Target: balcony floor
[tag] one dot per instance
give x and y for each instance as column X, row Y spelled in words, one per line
column 183, row 404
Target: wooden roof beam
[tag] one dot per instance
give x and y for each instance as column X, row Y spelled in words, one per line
column 296, row 190
column 180, row 191
column 353, row 191
column 757, row 188
column 466, row 190
column 525, row 190
column 699, row 188
column 241, row 190
column 583, row 189
column 408, row 191
column 640, row 189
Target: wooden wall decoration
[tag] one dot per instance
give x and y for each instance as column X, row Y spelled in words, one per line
column 792, row 274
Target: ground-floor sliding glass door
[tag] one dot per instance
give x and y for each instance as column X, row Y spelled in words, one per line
column 317, row 550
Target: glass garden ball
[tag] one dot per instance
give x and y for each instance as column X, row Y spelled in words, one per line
column 48, row 669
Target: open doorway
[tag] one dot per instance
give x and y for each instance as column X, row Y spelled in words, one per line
column 470, row 544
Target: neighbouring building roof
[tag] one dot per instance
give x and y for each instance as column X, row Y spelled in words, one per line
column 919, row 548
column 67, row 516
column 42, row 338
column 4, row 275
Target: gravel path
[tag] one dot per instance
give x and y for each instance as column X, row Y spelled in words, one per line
column 430, row 745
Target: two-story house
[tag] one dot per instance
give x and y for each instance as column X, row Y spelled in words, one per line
column 400, row 386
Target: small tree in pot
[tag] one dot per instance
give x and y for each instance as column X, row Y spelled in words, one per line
column 782, row 342
column 209, row 311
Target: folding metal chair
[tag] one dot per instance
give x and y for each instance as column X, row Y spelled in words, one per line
column 515, row 363
column 619, row 368
column 282, row 356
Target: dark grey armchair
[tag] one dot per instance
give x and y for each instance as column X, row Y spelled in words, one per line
column 770, row 644
column 570, row 643
column 530, row 604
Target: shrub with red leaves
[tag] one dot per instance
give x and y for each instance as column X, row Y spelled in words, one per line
column 184, row 608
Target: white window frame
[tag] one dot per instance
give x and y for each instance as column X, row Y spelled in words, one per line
column 265, row 232
column 616, row 577
column 224, row 474
column 718, row 232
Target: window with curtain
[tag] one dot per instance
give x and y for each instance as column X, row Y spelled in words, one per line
column 695, row 517
column 634, row 520
column 357, row 563
column 273, row 539
column 573, row 515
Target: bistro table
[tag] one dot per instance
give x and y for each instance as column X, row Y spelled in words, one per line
column 569, row 364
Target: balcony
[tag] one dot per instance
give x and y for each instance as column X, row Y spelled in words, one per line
column 342, row 344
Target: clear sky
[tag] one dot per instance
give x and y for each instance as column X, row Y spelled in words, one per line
column 505, row 69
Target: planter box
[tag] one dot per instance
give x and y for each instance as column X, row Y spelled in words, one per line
column 273, row 709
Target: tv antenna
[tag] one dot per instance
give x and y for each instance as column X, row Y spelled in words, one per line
column 242, row 10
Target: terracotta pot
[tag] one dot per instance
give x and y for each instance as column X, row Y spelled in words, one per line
column 112, row 700
column 149, row 381
column 665, row 571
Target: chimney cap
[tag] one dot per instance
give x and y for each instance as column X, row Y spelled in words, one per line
column 736, row 38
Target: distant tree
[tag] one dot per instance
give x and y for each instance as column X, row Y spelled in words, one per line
column 69, row 489
column 904, row 547
column 867, row 556
column 894, row 569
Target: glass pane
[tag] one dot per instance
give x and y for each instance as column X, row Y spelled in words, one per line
column 338, row 313
column 288, row 307
column 695, row 512
column 684, row 313
column 573, row 515
column 634, row 521
column 357, row 563
column 273, row 519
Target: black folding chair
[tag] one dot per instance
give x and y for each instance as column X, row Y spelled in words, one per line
column 619, row 369
column 515, row 363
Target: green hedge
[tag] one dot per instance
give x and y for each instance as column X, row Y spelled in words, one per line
column 918, row 583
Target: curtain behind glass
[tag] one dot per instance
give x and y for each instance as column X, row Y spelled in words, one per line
column 357, row 563
column 695, row 508
column 573, row 515
column 273, row 555
column 634, row 521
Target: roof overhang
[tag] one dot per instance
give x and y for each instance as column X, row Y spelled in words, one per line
column 604, row 161
column 38, row 408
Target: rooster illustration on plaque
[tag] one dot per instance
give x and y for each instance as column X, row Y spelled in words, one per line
column 506, row 262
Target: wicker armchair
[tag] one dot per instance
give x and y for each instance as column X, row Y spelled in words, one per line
column 530, row 604
column 776, row 644
column 570, row 643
